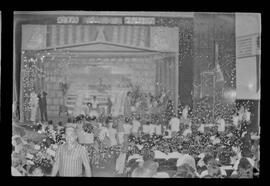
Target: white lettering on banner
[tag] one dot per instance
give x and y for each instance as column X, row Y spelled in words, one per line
column 140, row 20
column 102, row 20
column 68, row 19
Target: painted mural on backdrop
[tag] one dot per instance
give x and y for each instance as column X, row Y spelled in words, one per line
column 107, row 80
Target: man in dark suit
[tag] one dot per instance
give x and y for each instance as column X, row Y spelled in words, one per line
column 42, row 101
column 109, row 106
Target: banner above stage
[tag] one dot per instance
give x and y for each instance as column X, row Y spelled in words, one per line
column 37, row 37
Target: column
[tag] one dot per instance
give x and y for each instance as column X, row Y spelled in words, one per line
column 176, row 82
column 54, row 37
column 62, row 35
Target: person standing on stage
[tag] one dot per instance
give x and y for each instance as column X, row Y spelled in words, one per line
column 127, row 104
column 70, row 157
column 43, row 105
column 109, row 110
column 95, row 103
column 88, row 108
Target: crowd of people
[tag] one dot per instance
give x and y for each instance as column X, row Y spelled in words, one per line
column 146, row 148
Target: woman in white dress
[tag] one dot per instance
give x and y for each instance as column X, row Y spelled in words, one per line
column 112, row 134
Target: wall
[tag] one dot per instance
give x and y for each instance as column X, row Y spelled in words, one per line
column 248, row 62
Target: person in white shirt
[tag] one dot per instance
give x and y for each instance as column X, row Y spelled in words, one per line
column 135, row 127
column 241, row 113
column 246, row 115
column 221, row 124
column 174, row 124
column 185, row 112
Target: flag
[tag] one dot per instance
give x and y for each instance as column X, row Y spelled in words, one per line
column 219, row 74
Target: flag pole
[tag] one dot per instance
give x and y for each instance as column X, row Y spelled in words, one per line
column 215, row 62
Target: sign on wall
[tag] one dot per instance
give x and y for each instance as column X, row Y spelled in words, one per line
column 247, row 79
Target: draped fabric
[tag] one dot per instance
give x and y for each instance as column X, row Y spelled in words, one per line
column 59, row 35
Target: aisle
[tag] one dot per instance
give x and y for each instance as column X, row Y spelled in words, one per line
column 106, row 171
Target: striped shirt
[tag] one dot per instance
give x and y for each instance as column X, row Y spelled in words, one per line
column 70, row 161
